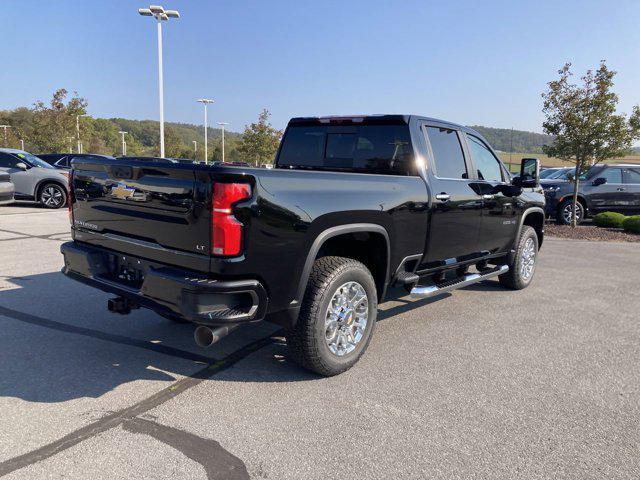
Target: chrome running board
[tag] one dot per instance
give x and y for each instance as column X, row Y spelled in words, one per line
column 430, row 291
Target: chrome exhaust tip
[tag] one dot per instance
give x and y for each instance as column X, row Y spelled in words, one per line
column 206, row 336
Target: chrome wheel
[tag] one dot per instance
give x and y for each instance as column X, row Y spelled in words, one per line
column 528, row 261
column 567, row 212
column 346, row 318
column 52, row 196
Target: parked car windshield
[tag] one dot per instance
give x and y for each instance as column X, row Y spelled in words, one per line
column 548, row 172
column 33, row 160
column 560, row 174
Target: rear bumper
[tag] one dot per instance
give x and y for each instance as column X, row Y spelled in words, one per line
column 166, row 289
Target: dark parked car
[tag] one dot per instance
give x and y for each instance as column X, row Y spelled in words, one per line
column 63, row 160
column 6, row 189
column 352, row 207
column 603, row 188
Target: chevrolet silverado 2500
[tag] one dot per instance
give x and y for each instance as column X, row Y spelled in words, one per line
column 353, row 206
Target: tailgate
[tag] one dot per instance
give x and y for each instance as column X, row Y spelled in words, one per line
column 148, row 204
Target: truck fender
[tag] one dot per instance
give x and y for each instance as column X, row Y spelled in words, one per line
column 528, row 211
column 333, row 232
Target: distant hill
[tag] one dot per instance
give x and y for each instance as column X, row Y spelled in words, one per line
column 146, row 131
column 523, row 141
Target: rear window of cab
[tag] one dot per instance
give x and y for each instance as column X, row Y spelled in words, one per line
column 384, row 149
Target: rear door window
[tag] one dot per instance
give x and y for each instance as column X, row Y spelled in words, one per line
column 447, row 153
column 613, row 175
column 632, row 176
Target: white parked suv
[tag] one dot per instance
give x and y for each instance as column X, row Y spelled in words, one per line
column 34, row 179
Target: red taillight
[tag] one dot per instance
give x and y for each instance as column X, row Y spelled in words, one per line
column 227, row 231
column 70, row 198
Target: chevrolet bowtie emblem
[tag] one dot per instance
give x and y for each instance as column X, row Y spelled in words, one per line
column 122, row 191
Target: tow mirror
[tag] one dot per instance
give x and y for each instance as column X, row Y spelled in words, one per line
column 529, row 173
column 22, row 166
column 599, row 181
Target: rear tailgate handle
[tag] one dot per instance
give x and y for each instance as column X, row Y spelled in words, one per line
column 443, row 197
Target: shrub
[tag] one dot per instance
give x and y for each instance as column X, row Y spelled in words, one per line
column 609, row 220
column 632, row 224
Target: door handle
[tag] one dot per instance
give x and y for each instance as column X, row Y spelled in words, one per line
column 487, row 196
column 621, row 189
column 443, row 197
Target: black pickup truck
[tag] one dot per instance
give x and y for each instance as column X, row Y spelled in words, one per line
column 353, row 206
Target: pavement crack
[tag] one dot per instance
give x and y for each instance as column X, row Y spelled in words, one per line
column 218, row 463
column 117, row 418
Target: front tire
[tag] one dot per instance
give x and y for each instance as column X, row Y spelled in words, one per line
column 523, row 265
column 337, row 318
column 52, row 195
column 565, row 212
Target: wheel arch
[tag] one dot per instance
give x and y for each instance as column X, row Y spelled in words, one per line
column 336, row 240
column 534, row 218
column 44, row 181
column 581, row 199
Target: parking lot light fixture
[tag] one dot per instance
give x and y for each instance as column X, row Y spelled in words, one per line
column 160, row 14
column 124, row 144
column 222, row 125
column 205, row 102
column 78, row 131
column 5, row 133
column 195, row 150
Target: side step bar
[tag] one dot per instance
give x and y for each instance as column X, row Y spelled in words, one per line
column 469, row 279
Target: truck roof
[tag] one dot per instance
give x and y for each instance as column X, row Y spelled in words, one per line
column 371, row 120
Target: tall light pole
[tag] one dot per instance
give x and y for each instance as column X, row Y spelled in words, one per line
column 195, row 150
column 78, row 131
column 21, row 144
column 124, row 144
column 511, row 149
column 161, row 15
column 5, row 133
column 222, row 125
column 205, row 102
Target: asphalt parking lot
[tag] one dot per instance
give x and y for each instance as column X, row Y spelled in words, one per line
column 481, row 383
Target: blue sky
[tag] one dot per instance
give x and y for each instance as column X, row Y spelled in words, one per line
column 470, row 62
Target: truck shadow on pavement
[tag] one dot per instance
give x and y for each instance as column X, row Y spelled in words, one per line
column 59, row 343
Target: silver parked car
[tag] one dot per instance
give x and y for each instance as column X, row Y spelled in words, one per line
column 6, row 189
column 34, row 179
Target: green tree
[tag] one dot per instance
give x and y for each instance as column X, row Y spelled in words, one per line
column 54, row 125
column 259, row 141
column 584, row 122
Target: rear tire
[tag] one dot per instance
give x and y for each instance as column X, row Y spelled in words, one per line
column 52, row 195
column 523, row 265
column 337, row 318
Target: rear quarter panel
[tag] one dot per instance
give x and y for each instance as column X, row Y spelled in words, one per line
column 290, row 208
